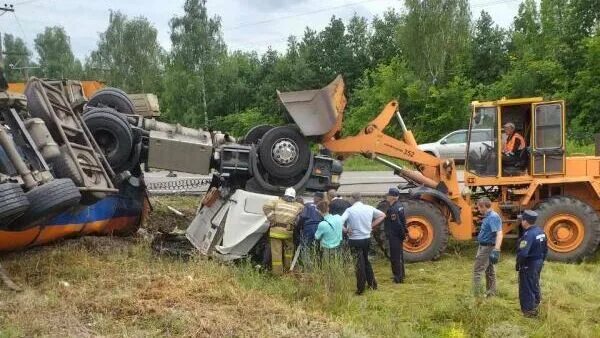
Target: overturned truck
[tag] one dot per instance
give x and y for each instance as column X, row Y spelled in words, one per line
column 71, row 166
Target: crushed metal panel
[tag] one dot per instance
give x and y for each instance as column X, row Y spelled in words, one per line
column 245, row 223
column 204, row 228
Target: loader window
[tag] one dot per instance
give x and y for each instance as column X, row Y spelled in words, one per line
column 481, row 146
column 548, row 126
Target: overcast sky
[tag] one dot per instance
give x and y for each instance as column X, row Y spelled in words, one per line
column 247, row 24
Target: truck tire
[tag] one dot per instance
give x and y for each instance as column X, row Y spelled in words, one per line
column 64, row 167
column 427, row 231
column 13, row 202
column 256, row 133
column 572, row 228
column 112, row 98
column 284, row 152
column 47, row 201
column 112, row 133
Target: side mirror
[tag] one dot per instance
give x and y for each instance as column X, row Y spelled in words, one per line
column 443, row 141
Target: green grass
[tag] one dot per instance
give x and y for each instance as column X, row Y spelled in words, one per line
column 576, row 148
column 119, row 287
column 436, row 300
column 361, row 163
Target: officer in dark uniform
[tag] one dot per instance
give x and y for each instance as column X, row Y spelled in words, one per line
column 530, row 260
column 395, row 231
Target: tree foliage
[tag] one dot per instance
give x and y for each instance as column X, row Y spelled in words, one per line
column 17, row 55
column 56, row 58
column 432, row 57
column 128, row 55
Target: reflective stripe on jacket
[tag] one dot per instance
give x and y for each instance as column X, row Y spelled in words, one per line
column 282, row 213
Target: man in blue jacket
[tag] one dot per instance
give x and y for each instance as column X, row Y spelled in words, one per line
column 531, row 254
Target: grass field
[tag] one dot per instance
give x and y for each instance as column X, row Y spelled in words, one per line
column 118, row 287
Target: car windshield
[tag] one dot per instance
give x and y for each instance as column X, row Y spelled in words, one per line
column 481, row 146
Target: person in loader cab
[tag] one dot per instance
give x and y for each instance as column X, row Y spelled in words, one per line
column 282, row 215
column 515, row 143
column 531, row 254
column 488, row 253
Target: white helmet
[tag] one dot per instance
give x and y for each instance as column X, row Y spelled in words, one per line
column 290, row 192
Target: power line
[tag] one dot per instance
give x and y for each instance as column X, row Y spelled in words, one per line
column 25, row 38
column 492, row 3
column 297, row 15
column 26, row 2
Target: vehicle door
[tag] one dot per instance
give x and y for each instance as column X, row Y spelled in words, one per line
column 454, row 145
column 548, row 148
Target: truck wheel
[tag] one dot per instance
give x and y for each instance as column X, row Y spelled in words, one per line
column 284, row 152
column 47, row 201
column 572, row 228
column 112, row 133
column 427, row 231
column 113, row 98
column 256, row 133
column 13, row 202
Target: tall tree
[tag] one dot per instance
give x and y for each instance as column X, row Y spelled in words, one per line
column 435, row 36
column 56, row 58
column 384, row 44
column 17, row 56
column 489, row 58
column 197, row 51
column 128, row 55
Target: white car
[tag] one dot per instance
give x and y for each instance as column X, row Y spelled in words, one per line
column 454, row 145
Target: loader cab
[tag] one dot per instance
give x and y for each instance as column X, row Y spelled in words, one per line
column 536, row 125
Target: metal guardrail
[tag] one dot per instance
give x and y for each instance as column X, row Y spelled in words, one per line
column 198, row 186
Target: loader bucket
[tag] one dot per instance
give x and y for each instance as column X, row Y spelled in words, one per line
column 318, row 111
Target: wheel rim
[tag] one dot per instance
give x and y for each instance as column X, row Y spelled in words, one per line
column 285, row 152
column 107, row 141
column 419, row 234
column 87, row 164
column 565, row 232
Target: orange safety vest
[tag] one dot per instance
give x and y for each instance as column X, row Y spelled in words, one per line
column 510, row 142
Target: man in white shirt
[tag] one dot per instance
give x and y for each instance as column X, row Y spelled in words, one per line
column 360, row 219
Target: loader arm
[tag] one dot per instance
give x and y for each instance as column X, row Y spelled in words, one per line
column 372, row 139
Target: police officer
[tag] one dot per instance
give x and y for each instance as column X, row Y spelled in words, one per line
column 395, row 231
column 530, row 260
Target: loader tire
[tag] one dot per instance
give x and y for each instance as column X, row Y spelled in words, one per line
column 47, row 201
column 13, row 202
column 112, row 133
column 284, row 152
column 572, row 228
column 427, row 231
column 112, row 98
column 256, row 133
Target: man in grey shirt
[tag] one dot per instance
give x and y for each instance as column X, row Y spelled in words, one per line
column 360, row 219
